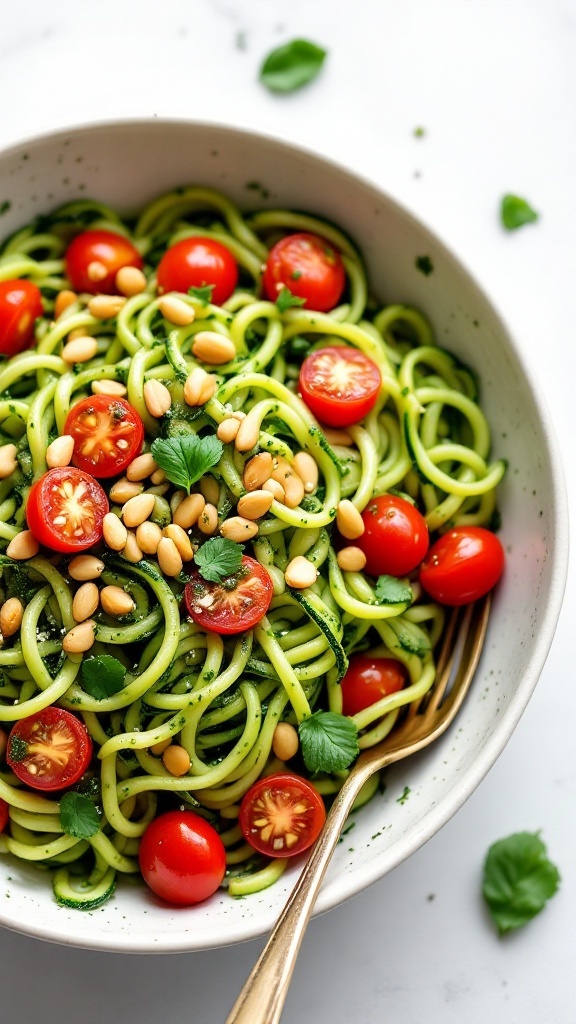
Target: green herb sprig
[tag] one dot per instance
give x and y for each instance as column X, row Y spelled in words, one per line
column 185, row 459
column 218, row 559
column 519, row 879
column 329, row 742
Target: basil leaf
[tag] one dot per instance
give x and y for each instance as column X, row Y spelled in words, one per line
column 292, row 65
column 204, row 294
column 390, row 590
column 102, row 676
column 78, row 816
column 286, row 299
column 186, row 458
column 518, row 879
column 329, row 742
column 218, row 558
column 515, row 212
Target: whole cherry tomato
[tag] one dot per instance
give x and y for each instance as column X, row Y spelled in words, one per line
column 106, row 248
column 310, row 267
column 196, row 262
column 395, row 537
column 369, row 679
column 20, row 306
column 462, row 565
column 182, row 858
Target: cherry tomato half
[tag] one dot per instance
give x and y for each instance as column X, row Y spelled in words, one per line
column 20, row 306
column 107, row 432
column 339, row 385
column 105, row 247
column 395, row 537
column 282, row 815
column 66, row 509
column 196, row 262
column 309, row 267
column 234, row 605
column 462, row 565
column 4, row 815
column 49, row 750
column 182, row 857
column 369, row 679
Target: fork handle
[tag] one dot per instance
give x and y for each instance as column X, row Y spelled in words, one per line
column 262, row 998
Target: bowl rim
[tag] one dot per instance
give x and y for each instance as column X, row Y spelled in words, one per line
column 415, row 837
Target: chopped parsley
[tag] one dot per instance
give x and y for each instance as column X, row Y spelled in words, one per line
column 292, row 65
column 203, row 294
column 424, row 265
column 515, row 212
column 286, row 299
column 518, row 880
column 187, row 458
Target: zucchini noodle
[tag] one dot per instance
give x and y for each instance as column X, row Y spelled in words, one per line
column 219, row 698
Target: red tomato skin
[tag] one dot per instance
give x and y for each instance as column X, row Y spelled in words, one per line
column 330, row 405
column 182, row 858
column 369, row 679
column 310, row 267
column 20, row 307
column 395, row 537
column 114, row 414
column 462, row 565
column 106, row 247
column 195, row 262
column 278, row 789
column 43, row 506
column 34, row 730
column 219, row 618
column 4, row 815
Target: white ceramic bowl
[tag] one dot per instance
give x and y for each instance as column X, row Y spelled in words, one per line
column 126, row 165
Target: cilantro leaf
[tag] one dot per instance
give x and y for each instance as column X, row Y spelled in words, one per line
column 204, row 294
column 515, row 212
column 390, row 590
column 329, row 742
column 185, row 459
column 218, row 558
column 286, row 299
column 292, row 65
column 102, row 676
column 518, row 879
column 78, row 816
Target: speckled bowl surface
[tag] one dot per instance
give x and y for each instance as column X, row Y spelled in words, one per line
column 126, row 165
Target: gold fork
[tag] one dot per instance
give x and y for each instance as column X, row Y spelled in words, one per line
column 262, row 998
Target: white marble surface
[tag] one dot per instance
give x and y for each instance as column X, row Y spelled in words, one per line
column 493, row 82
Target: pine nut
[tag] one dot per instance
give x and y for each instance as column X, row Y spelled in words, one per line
column 148, row 537
column 109, row 387
column 199, row 387
column 249, row 431
column 130, row 281
column 76, row 332
column 124, row 489
column 60, row 451
column 116, row 601
column 96, row 271
column 11, row 614
column 255, row 504
column 208, row 519
column 80, row 350
column 213, row 348
column 300, row 573
column 338, row 437
column 104, row 307
column 275, row 489
column 228, row 429
column 115, row 533
column 176, row 759
column 238, row 415
column 158, row 748
column 141, row 467
column 131, row 551
column 157, row 398
column 351, row 559
column 176, row 500
column 85, row 601
column 348, row 520
column 23, row 546
column 158, row 476
column 8, row 464
column 291, row 482
column 257, row 471
column 63, row 300
column 137, row 509
column 210, row 488
column 307, row 469
column 285, row 741
column 239, row 529
column 176, row 311
column 188, row 511
column 85, row 567
column 80, row 638
column 169, row 558
column 181, row 540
